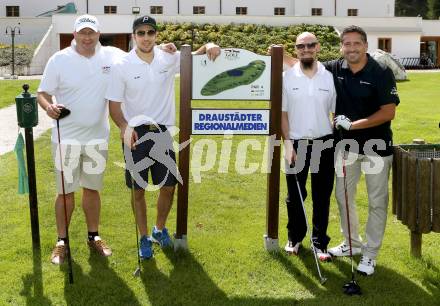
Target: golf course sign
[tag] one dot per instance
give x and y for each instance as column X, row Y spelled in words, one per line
column 236, row 74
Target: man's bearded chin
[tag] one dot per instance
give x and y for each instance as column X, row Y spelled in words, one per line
column 307, row 63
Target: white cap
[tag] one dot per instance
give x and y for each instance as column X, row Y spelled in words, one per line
column 86, row 21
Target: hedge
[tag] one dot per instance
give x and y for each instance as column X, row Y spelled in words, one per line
column 23, row 55
column 252, row 37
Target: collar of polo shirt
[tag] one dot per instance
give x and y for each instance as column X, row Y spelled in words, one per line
column 298, row 71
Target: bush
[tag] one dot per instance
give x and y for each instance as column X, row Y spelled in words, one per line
column 252, row 37
column 23, row 55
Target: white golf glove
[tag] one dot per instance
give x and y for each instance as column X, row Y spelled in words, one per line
column 342, row 122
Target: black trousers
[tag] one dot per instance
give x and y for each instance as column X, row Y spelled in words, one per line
column 322, row 185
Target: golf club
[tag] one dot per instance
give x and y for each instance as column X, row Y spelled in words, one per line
column 138, row 270
column 352, row 287
column 321, row 278
column 63, row 113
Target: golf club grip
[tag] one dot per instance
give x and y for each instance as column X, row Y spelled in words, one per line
column 340, row 133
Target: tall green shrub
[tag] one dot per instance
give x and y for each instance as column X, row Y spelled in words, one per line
column 255, row 38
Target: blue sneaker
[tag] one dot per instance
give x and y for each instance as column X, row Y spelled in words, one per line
column 161, row 237
column 146, row 248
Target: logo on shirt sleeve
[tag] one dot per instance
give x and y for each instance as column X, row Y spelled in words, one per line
column 394, row 91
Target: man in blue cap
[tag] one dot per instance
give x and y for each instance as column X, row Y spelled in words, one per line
column 141, row 95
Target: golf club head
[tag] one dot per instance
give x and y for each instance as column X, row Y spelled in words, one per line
column 323, row 280
column 64, row 112
column 137, row 272
column 352, row 288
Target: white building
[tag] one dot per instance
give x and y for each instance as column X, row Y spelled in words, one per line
column 338, row 8
column 405, row 37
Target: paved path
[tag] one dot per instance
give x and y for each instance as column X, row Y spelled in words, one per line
column 25, row 77
column 9, row 127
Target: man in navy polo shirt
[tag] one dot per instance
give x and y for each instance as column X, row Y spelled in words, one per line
column 366, row 103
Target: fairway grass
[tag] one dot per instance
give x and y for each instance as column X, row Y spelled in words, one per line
column 9, row 89
column 226, row 263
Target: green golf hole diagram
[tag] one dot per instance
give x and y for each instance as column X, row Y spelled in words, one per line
column 233, row 78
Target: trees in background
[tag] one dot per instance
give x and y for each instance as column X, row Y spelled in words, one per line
column 434, row 9
column 428, row 9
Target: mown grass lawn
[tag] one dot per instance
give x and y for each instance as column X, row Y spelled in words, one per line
column 9, row 89
column 226, row 264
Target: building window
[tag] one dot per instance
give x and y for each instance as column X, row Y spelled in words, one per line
column 158, row 10
column 198, row 10
column 316, row 11
column 135, row 10
column 384, row 44
column 12, row 11
column 278, row 11
column 241, row 10
column 352, row 12
column 110, row 9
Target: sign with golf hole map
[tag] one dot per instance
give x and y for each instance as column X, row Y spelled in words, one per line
column 236, row 74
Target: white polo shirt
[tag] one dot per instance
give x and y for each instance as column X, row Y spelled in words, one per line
column 145, row 90
column 80, row 83
column 308, row 102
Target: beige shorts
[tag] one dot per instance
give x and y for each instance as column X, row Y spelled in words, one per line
column 83, row 166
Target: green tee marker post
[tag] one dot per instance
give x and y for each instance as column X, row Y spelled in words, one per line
column 27, row 118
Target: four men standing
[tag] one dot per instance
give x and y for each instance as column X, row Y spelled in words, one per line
column 357, row 89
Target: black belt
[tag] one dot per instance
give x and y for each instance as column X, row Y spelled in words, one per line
column 153, row 127
column 309, row 141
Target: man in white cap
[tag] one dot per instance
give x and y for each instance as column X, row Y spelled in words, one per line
column 77, row 77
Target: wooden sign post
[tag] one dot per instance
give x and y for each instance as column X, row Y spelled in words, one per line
column 214, row 90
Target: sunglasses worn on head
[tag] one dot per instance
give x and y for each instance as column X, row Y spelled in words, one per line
column 142, row 33
column 309, row 46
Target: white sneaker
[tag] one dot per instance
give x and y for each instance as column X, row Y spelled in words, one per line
column 366, row 266
column 322, row 255
column 292, row 249
column 343, row 250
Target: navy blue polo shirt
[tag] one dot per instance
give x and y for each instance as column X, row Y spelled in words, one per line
column 361, row 94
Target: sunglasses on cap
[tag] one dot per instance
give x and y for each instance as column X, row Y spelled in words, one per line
column 143, row 33
column 309, row 46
